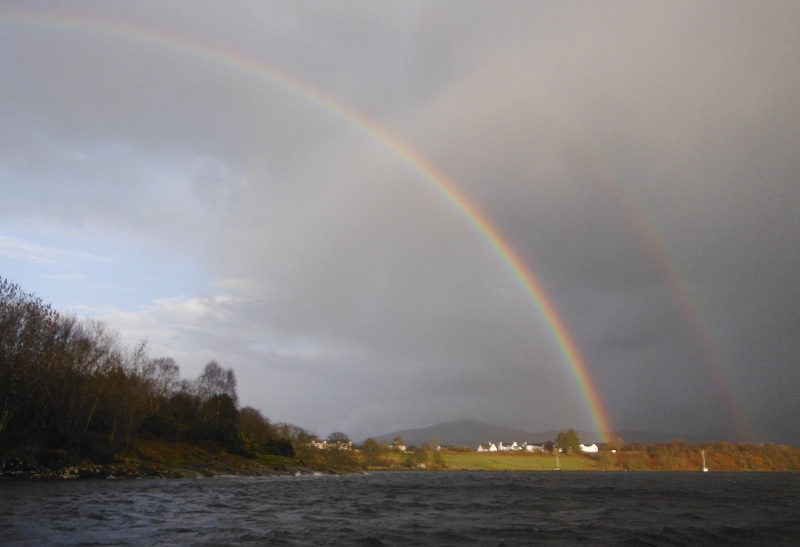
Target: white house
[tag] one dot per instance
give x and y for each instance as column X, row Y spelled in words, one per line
column 590, row 448
column 506, row 448
column 325, row 445
column 514, row 446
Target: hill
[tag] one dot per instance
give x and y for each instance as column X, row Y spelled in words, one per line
column 474, row 432
column 467, row 432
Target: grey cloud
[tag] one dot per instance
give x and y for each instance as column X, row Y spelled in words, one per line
column 622, row 148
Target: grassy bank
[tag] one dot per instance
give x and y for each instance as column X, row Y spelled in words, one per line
column 153, row 458
column 674, row 456
column 500, row 461
column 183, row 458
column 515, row 461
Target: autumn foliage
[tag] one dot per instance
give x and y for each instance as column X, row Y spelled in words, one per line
column 720, row 456
column 71, row 391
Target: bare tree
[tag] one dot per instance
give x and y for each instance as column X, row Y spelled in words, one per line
column 27, row 335
column 216, row 389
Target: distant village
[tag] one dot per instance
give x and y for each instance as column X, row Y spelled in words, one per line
column 325, row 445
column 513, row 447
column 488, row 447
column 676, row 455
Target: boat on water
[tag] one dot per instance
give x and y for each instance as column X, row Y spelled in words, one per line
column 705, row 469
column 558, row 467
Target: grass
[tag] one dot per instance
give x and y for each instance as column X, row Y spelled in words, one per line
column 515, row 461
column 506, row 461
column 164, row 455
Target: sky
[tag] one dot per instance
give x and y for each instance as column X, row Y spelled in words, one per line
column 265, row 184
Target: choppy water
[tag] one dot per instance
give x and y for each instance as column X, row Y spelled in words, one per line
column 405, row 508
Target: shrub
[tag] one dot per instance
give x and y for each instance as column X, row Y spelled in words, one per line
column 279, row 447
column 634, row 462
column 159, row 426
column 605, row 460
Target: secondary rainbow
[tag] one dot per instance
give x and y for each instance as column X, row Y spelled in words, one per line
column 658, row 251
column 446, row 188
column 679, row 287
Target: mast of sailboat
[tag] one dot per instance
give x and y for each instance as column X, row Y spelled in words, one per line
column 705, row 469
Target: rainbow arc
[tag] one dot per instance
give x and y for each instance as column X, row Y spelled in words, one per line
column 447, row 189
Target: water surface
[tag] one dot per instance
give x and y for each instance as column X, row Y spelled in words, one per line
column 409, row 508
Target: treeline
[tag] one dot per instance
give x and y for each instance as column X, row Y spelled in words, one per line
column 426, row 456
column 720, row 456
column 71, row 391
column 679, row 455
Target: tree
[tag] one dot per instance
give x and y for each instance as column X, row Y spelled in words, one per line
column 438, row 460
column 417, row 457
column 337, row 437
column 338, row 452
column 216, row 388
column 398, row 441
column 71, row 390
column 371, row 452
column 568, row 441
column 28, row 329
column 616, row 444
column 256, row 427
column 164, row 378
column 215, row 380
column 420, row 455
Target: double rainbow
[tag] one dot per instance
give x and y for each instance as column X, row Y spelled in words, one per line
column 450, row 192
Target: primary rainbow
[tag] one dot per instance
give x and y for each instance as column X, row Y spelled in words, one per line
column 437, row 180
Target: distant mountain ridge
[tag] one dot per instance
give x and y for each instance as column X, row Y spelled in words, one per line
column 474, row 432
column 461, row 432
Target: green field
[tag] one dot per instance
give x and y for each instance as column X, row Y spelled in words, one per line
column 514, row 461
column 507, row 461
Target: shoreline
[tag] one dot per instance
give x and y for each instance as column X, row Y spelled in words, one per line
column 25, row 471
column 185, row 462
column 126, row 471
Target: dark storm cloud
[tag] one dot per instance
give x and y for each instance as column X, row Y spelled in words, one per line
column 622, row 148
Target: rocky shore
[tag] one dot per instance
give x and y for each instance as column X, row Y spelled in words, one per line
column 20, row 468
